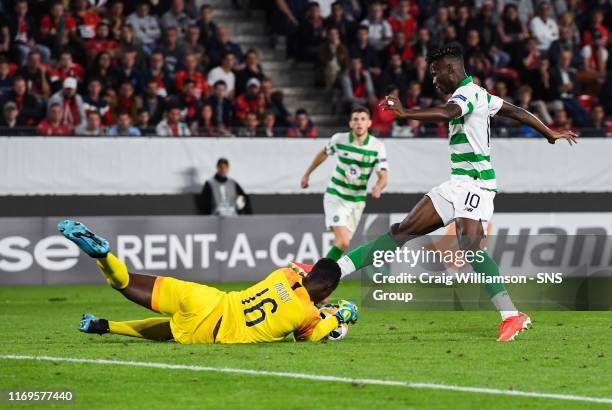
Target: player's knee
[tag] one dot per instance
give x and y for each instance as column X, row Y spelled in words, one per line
column 469, row 239
column 401, row 232
column 342, row 242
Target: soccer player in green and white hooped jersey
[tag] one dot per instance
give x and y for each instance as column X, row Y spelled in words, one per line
column 467, row 198
column 358, row 154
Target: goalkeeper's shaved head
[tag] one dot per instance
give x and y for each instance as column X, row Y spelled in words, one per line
column 447, row 67
column 322, row 280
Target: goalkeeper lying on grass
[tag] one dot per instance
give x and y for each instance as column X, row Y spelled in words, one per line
column 268, row 311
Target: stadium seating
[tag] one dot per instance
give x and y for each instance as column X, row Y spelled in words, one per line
column 293, row 49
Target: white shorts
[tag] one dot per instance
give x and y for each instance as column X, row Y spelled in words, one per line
column 462, row 199
column 339, row 212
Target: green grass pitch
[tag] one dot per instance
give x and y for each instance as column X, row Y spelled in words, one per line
column 565, row 352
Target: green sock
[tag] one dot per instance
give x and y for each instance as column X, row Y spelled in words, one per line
column 334, row 253
column 363, row 255
column 489, row 268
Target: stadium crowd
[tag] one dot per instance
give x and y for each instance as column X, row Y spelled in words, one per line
column 164, row 67
column 123, row 68
column 551, row 57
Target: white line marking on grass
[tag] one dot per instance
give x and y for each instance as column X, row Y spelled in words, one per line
column 316, row 377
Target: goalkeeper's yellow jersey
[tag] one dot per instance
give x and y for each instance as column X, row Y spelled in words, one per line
column 272, row 309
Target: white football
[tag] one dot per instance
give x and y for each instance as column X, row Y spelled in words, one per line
column 341, row 331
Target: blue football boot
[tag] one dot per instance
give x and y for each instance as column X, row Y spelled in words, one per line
column 90, row 243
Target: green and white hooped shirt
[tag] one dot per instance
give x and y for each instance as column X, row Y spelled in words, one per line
column 354, row 165
column 470, row 134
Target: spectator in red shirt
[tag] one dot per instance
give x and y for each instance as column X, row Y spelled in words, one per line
column 29, row 109
column 248, row 101
column 191, row 73
column 401, row 20
column 65, row 68
column 86, row 20
column 561, row 121
column 101, row 42
column 158, row 73
column 303, row 126
column 187, row 100
column 382, row 120
column 53, row 124
column 401, row 46
column 597, row 24
column 414, row 99
column 72, row 103
column 357, row 85
column 57, row 28
column 126, row 101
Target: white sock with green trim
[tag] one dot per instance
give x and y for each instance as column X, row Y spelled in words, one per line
column 504, row 305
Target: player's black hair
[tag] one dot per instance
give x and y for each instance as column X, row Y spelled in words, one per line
column 451, row 50
column 360, row 108
column 324, row 271
column 222, row 161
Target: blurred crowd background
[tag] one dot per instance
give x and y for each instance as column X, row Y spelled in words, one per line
column 291, row 68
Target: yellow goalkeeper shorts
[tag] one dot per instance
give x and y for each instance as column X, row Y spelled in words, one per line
column 195, row 309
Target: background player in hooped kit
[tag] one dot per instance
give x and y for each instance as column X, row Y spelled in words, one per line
column 467, row 198
column 358, row 155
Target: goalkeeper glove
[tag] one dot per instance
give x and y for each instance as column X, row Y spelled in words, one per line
column 347, row 312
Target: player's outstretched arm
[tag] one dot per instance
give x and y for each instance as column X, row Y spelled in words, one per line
column 318, row 160
column 380, row 184
column 323, row 328
column 443, row 113
column 525, row 117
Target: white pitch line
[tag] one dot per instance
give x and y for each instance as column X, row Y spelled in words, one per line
column 316, row 377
